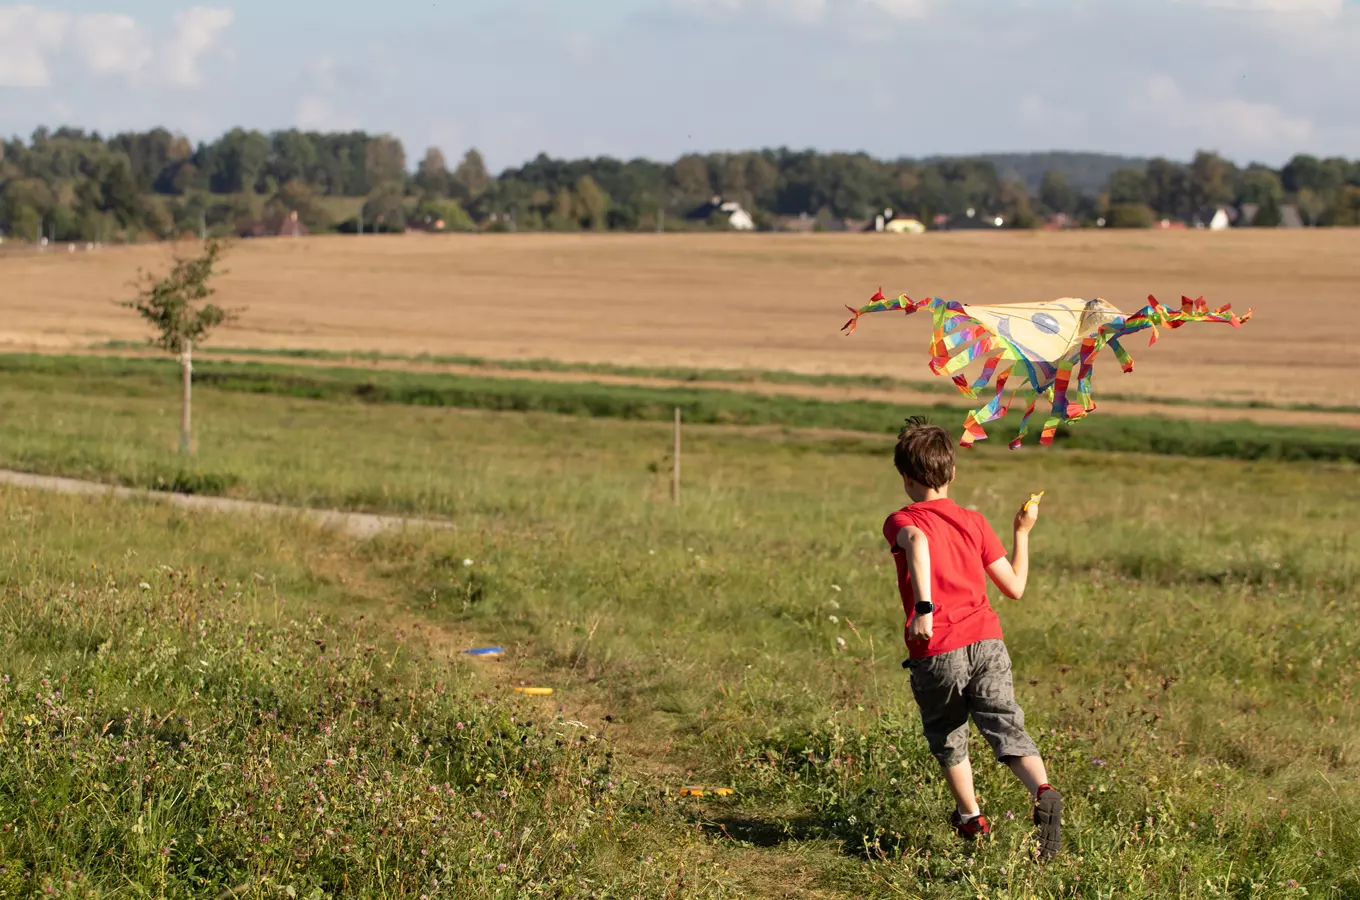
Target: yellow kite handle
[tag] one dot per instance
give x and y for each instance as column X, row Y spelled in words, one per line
column 534, row 690
column 1032, row 501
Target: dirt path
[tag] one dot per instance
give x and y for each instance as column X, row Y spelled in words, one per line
column 360, row 525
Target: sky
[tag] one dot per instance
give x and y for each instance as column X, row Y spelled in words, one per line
column 1256, row 80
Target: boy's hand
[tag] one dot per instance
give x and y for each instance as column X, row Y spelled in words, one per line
column 1026, row 517
column 921, row 628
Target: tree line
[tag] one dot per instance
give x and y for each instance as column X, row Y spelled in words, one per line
column 72, row 185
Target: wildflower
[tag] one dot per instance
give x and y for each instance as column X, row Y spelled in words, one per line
column 144, row 586
column 840, row 641
column 467, row 562
column 1292, row 883
column 836, row 588
column 500, row 868
column 1009, row 814
column 1097, row 762
column 833, row 619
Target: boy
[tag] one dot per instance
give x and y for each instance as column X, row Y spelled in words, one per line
column 959, row 665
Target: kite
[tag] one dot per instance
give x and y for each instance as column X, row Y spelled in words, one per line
column 1036, row 349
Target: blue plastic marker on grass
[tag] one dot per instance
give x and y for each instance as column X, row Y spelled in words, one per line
column 484, row 651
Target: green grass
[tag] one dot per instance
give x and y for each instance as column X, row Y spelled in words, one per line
column 1101, row 431
column 699, row 375
column 1185, row 653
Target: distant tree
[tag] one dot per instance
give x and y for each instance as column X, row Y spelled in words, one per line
column 385, row 209
column 1128, row 187
column 384, row 162
column 1055, row 192
column 1130, row 215
column 470, row 180
column 592, row 203
column 690, row 180
column 1168, row 188
column 174, row 306
column 1311, row 206
column 1209, row 180
column 563, row 215
column 1261, row 186
column 433, row 210
column 1345, row 208
column 297, row 197
column 1268, row 215
column 432, row 175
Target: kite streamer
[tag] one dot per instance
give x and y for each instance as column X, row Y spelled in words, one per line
column 1040, row 350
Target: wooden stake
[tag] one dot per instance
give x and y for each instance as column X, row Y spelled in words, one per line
column 675, row 460
column 186, row 372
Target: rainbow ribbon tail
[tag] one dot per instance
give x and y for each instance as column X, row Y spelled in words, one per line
column 880, row 303
column 1065, row 384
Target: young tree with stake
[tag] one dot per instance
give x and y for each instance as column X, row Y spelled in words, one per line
column 174, row 306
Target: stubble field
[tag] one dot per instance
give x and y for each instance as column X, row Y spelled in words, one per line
column 770, row 302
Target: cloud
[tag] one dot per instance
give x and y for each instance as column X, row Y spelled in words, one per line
column 111, row 43
column 1226, row 122
column 1292, row 7
column 317, row 114
column 27, row 36
column 196, row 30
column 34, row 42
column 807, row 12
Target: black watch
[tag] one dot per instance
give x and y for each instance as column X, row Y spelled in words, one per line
column 924, row 607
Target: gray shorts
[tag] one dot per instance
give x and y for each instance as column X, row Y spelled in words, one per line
column 973, row 680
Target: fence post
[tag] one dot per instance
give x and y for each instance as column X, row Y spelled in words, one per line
column 675, row 461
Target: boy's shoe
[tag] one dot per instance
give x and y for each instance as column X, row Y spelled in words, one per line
column 1048, row 816
column 978, row 826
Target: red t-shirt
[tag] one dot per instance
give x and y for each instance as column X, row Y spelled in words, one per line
column 962, row 545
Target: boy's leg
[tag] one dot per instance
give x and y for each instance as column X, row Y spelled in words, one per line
column 960, row 781
column 938, row 684
column 1030, row 770
column 991, row 702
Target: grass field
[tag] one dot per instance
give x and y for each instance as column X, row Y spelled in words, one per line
column 769, row 302
column 284, row 704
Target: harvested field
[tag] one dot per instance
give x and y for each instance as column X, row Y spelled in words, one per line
column 749, row 301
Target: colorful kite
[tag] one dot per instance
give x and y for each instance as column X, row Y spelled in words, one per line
column 1035, row 347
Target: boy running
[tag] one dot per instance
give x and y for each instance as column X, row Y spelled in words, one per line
column 959, row 665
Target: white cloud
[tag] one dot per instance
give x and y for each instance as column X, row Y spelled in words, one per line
column 1304, row 7
column 196, row 30
column 900, row 9
column 1218, row 123
column 110, row 43
column 807, row 12
column 316, row 113
column 27, row 35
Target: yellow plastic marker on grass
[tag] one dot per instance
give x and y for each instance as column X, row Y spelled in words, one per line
column 694, row 790
column 534, row 690
column 1033, row 500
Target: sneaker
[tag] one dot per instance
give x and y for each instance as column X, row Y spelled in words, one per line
column 973, row 828
column 1048, row 817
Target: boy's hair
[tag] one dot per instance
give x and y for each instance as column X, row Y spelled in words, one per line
column 925, row 453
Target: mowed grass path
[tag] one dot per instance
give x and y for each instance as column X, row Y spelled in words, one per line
column 1186, row 653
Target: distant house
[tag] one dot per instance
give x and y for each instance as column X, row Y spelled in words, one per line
column 890, row 222
column 1060, row 222
column 1289, row 216
column 737, row 218
column 1215, row 218
column 1170, row 225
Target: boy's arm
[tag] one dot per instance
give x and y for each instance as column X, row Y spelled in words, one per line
column 914, row 541
column 1011, row 575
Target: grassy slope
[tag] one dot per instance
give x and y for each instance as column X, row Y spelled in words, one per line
column 1186, row 651
column 99, row 376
